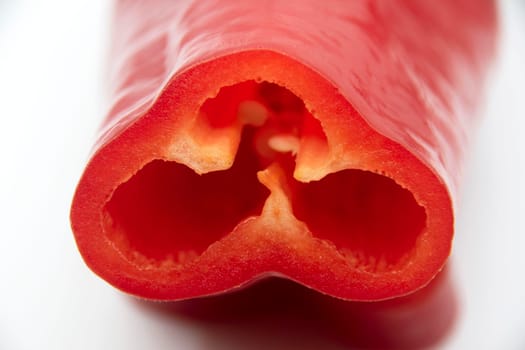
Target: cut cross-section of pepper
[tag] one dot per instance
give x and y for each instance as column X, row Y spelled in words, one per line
column 318, row 141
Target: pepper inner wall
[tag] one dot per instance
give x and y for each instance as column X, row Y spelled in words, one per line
column 167, row 214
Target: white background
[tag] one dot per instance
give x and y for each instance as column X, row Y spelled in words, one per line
column 51, row 92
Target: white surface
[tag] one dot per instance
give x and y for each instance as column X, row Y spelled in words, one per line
column 51, row 64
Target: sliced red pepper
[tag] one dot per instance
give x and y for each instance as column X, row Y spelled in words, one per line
column 317, row 140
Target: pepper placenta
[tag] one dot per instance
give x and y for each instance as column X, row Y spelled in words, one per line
column 318, row 141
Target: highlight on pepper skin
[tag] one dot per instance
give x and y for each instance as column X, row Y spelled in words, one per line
column 167, row 215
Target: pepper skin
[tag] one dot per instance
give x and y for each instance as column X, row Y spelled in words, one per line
column 318, row 141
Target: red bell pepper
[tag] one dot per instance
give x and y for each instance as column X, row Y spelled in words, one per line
column 321, row 141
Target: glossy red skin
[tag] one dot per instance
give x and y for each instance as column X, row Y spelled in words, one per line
column 398, row 79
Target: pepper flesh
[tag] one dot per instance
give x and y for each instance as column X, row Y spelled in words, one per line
column 321, row 142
